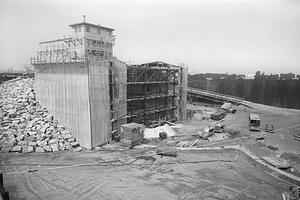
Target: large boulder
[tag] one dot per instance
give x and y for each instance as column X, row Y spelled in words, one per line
column 16, row 149
column 27, row 126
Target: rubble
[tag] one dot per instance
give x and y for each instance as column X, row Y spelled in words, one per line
column 16, row 149
column 154, row 132
column 228, row 107
column 28, row 149
column 26, row 126
column 39, row 150
column 79, row 149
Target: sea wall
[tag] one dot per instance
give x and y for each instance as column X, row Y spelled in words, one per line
column 280, row 93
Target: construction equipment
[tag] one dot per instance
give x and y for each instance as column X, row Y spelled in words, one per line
column 259, row 137
column 292, row 193
column 218, row 115
column 207, row 132
column 269, row 128
column 254, row 122
column 219, row 127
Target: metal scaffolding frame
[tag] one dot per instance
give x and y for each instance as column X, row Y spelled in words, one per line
column 151, row 92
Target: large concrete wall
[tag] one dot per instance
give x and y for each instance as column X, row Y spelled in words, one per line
column 99, row 100
column 64, row 90
column 120, row 93
column 184, row 83
column 280, row 93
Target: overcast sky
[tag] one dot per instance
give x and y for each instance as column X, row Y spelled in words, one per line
column 234, row 36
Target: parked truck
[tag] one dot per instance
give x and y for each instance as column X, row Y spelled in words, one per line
column 254, row 122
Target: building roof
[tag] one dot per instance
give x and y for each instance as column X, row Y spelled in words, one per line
column 254, row 116
column 98, row 26
column 50, row 41
column 158, row 63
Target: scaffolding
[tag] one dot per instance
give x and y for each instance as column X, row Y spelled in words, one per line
column 63, row 50
column 71, row 50
column 152, row 94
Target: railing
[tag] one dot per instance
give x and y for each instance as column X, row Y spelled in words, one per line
column 215, row 95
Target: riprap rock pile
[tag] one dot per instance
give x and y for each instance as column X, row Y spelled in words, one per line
column 25, row 126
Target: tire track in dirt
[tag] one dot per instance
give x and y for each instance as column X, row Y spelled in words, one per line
column 46, row 184
column 30, row 186
column 206, row 186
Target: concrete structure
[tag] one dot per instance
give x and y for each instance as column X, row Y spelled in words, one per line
column 80, row 82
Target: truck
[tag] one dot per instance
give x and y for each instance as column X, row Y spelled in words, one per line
column 254, row 122
column 219, row 127
column 218, row 115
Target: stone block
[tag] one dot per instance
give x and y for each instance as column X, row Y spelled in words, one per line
column 16, row 149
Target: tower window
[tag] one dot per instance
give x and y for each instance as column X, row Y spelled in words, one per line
column 99, row 30
column 88, row 29
column 77, row 29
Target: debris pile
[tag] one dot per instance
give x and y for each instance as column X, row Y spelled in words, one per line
column 156, row 132
column 27, row 127
column 228, row 107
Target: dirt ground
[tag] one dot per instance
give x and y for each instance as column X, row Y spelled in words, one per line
column 145, row 177
column 140, row 174
column 286, row 121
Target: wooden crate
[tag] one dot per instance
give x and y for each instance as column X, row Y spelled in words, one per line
column 132, row 134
